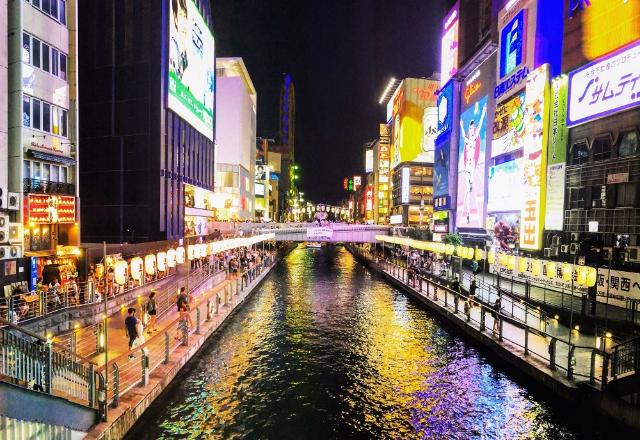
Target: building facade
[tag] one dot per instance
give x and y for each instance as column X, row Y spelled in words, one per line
column 147, row 120
column 236, row 139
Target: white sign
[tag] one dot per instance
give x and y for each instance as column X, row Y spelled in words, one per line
column 619, row 285
column 318, row 233
column 32, row 140
column 396, row 219
column 555, row 283
column 554, row 215
column 368, row 161
column 617, row 178
column 606, row 86
column 405, row 184
column 593, row 226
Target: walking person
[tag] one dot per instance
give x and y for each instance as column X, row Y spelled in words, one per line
column 497, row 306
column 456, row 285
column 152, row 312
column 473, row 287
column 131, row 324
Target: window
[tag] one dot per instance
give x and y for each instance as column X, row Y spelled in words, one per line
column 602, row 148
column 579, row 153
column 628, row 144
column 46, row 6
column 35, row 49
column 36, row 3
column 46, row 171
column 63, row 66
column 63, row 12
column 54, row 9
column 63, row 174
column 36, row 170
column 26, row 111
column 627, row 195
column 576, row 198
column 26, row 169
column 55, row 59
column 46, row 117
column 45, row 57
column 55, row 119
column 36, row 117
column 63, row 123
column 26, row 48
column 54, row 173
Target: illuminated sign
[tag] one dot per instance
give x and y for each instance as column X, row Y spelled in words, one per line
column 577, row 5
column 505, row 187
column 396, row 219
column 368, row 161
column 449, row 46
column 262, row 173
column 350, row 185
column 554, row 212
column 503, row 230
column 345, row 184
column 357, row 182
column 535, row 158
column 191, row 66
column 556, row 155
column 441, row 169
column 405, row 185
column 618, row 285
column 50, row 209
column 369, row 199
column 445, row 109
column 429, row 128
column 259, row 189
column 512, row 44
column 508, row 126
column 511, row 82
column 606, row 86
column 471, row 89
column 471, row 161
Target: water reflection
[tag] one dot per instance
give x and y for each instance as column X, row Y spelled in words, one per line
column 327, row 350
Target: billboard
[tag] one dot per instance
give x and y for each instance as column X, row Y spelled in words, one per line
column 618, row 286
column 449, row 45
column 471, row 162
column 441, row 169
column 505, row 187
column 508, row 126
column 368, row 161
column 513, row 43
column 429, row 130
column 411, row 100
column 503, row 228
column 262, row 173
column 406, row 181
column 556, row 155
column 445, row 109
column 191, row 66
column 535, row 158
column 604, row 87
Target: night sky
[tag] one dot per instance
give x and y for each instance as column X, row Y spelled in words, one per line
column 341, row 55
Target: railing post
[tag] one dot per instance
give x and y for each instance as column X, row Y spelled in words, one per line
column 552, row 354
column 455, row 303
column 570, row 362
column 91, row 383
column 185, row 331
column 218, row 299
column 197, row 320
column 144, row 363
column 592, row 369
column 614, row 363
column 482, row 318
column 166, row 347
column 102, row 398
column 500, row 323
column 48, row 367
column 446, row 298
column 208, row 309
column 526, row 340
column 605, row 369
column 116, row 386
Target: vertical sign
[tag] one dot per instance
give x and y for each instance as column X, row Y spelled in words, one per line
column 535, row 158
column 405, row 184
column 449, row 46
column 556, row 156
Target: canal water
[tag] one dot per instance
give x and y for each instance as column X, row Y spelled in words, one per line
column 325, row 349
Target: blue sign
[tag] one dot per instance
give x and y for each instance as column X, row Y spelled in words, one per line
column 577, row 5
column 519, row 77
column 445, row 109
column 441, row 168
column 512, row 44
column 33, row 273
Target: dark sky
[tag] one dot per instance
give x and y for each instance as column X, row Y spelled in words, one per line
column 341, row 54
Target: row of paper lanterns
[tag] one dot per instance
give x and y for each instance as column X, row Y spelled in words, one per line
column 172, row 257
column 585, row 275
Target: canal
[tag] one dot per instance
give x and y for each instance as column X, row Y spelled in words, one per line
column 325, row 349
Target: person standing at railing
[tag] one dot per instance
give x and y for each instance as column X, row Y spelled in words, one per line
column 152, row 312
column 131, row 325
column 54, row 289
column 72, row 292
column 497, row 306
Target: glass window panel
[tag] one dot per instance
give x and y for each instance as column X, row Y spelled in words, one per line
column 63, row 66
column 54, row 173
column 63, row 123
column 63, row 12
column 26, row 111
column 46, row 6
column 26, row 48
column 46, row 117
column 35, row 168
column 35, row 48
column 54, row 9
column 55, row 59
column 628, row 144
column 36, row 117
column 26, row 169
column 46, row 171
column 63, row 174
column 55, row 119
column 36, row 3
column 45, row 57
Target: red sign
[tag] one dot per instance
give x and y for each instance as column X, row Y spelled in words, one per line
column 50, row 209
column 345, row 184
column 471, row 90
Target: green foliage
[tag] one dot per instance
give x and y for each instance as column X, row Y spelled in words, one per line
column 454, row 239
column 417, row 233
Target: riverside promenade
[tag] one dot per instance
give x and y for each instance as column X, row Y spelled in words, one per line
column 526, row 339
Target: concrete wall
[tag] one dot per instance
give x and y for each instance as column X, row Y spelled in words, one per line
column 4, row 72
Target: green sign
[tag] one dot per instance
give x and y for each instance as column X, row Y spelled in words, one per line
column 558, row 132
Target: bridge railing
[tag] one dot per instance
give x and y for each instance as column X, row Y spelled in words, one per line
column 625, row 358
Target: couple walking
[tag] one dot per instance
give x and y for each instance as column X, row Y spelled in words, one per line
column 135, row 327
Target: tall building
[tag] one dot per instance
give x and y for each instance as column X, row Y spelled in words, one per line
column 236, row 140
column 40, row 141
column 147, row 74
column 287, row 132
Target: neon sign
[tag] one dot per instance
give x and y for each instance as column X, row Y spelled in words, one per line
column 471, row 90
column 449, row 46
column 512, row 44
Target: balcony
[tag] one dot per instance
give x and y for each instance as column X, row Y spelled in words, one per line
column 38, row 186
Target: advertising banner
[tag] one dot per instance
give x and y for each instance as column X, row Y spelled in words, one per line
column 606, row 86
column 503, row 228
column 619, row 285
column 368, row 161
column 429, row 130
column 262, row 173
column 471, row 163
column 406, row 176
column 449, row 45
column 505, row 187
column 50, row 209
column 318, row 233
column 508, row 126
column 445, row 109
column 191, row 67
column 535, row 158
column 556, row 282
column 554, row 215
column 558, row 133
column 441, row 168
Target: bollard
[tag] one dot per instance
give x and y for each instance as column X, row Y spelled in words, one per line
column 166, row 347
column 116, row 386
column 552, row 354
column 197, row 321
column 144, row 363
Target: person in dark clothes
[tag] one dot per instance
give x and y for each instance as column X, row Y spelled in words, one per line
column 131, row 324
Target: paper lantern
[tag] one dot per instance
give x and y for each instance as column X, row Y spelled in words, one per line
column 120, row 272
column 150, row 264
column 522, row 264
column 449, row 249
column 536, row 267
column 459, row 251
column 502, row 258
column 491, row 256
column 551, row 269
column 479, row 254
column 582, row 275
column 592, row 276
column 161, row 260
column 191, row 252
column 171, row 258
column 511, row 262
column 136, row 268
column 180, row 255
column 203, row 250
column 567, row 272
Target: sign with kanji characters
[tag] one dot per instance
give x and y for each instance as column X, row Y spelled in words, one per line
column 556, row 282
column 619, row 286
column 606, row 86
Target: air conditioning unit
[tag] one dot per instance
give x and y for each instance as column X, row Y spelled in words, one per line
column 3, row 198
column 556, row 240
column 547, row 252
column 575, row 236
column 15, row 233
column 4, row 229
column 607, row 253
column 9, row 252
column 573, row 248
column 564, row 248
column 13, row 201
column 633, row 254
